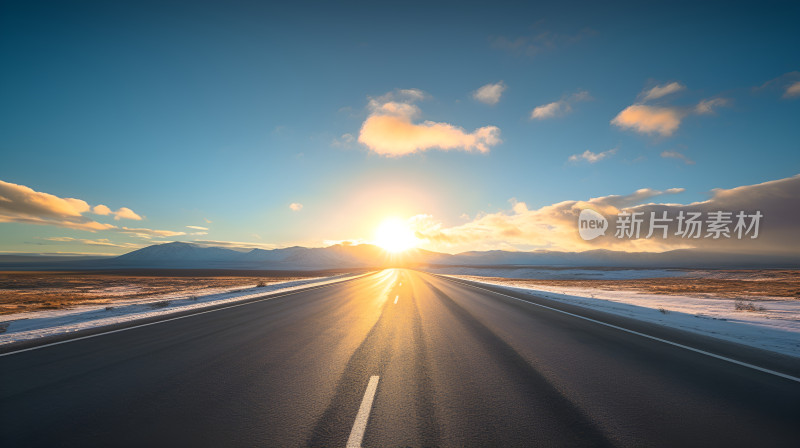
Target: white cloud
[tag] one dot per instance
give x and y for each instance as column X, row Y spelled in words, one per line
column 649, row 119
column 558, row 108
column 662, row 120
column 661, row 91
column 549, row 110
column 122, row 213
column 197, row 227
column 101, row 210
column 296, row 206
column 390, row 129
column 490, row 93
column 677, row 155
column 126, row 213
column 412, row 94
column 592, row 157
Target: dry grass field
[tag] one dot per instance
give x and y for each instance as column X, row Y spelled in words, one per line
column 784, row 284
column 33, row 291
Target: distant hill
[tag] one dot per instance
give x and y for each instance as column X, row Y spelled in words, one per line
column 189, row 255
column 47, row 258
column 180, row 255
column 680, row 258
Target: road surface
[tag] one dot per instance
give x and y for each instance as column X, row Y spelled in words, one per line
column 395, row 358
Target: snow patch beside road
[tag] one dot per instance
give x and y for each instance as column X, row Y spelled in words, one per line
column 37, row 324
column 776, row 328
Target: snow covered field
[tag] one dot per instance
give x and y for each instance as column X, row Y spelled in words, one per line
column 559, row 273
column 32, row 325
column 775, row 328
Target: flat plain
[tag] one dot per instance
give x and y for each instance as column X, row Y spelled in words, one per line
column 22, row 291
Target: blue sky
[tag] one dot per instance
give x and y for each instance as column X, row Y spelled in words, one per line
column 222, row 115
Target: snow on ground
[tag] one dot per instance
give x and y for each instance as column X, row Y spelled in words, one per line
column 32, row 325
column 777, row 328
column 560, row 273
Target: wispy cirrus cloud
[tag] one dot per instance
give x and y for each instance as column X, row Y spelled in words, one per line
column 672, row 154
column 592, row 157
column 558, row 108
column 390, row 129
column 96, row 242
column 149, row 233
column 787, row 83
column 237, row 245
column 346, row 140
column 657, row 92
column 540, row 41
column 490, row 93
column 793, row 90
column 705, row 107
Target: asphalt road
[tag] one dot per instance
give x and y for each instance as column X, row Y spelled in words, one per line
column 396, row 358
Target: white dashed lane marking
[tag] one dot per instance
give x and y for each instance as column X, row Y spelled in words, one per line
column 360, row 425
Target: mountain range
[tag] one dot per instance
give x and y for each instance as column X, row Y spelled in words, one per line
column 180, row 255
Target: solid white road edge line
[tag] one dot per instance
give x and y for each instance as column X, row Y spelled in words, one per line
column 696, row 350
column 176, row 318
column 360, row 425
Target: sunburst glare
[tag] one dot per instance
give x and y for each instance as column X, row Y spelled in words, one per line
column 395, row 235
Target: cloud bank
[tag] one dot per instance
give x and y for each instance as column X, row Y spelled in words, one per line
column 22, row 204
column 554, row 227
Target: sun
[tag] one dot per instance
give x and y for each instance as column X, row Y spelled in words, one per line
column 394, row 235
